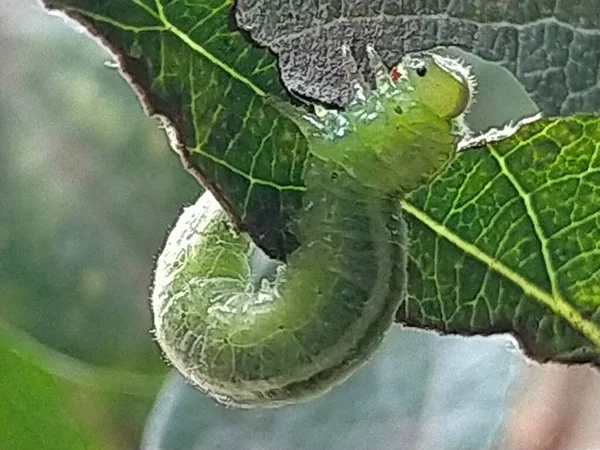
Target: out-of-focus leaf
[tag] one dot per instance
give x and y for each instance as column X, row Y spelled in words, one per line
column 38, row 411
column 88, row 188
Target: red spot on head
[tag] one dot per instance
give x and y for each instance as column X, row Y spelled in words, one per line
column 395, row 74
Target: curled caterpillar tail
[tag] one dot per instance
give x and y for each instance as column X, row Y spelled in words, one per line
column 294, row 337
column 327, row 310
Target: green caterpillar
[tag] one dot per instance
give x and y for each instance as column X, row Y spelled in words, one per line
column 326, row 311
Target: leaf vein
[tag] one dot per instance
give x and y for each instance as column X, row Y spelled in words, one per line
column 555, row 303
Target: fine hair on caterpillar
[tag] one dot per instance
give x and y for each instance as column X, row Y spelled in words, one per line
column 326, row 311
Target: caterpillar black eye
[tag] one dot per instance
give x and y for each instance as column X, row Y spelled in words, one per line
column 421, row 71
column 398, row 110
column 334, row 175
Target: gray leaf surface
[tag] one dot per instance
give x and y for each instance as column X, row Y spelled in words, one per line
column 551, row 46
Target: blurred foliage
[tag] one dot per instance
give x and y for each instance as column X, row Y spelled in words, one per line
column 89, row 188
column 36, row 408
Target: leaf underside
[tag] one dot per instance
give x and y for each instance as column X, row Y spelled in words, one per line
column 503, row 241
column 37, row 409
column 549, row 46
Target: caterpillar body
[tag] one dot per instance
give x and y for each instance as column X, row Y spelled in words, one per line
column 324, row 313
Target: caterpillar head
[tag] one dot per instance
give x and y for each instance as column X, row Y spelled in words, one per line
column 400, row 134
column 443, row 84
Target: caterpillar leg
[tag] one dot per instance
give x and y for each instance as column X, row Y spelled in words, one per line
column 383, row 80
column 360, row 88
column 333, row 123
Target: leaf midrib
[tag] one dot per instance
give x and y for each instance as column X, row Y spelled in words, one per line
column 167, row 25
column 186, row 39
column 556, row 303
column 532, row 216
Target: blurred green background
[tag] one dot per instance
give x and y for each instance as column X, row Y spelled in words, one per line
column 88, row 191
column 89, row 188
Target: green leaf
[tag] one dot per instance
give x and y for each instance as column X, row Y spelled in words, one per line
column 37, row 410
column 506, row 240
column 549, row 46
column 531, row 272
column 191, row 68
